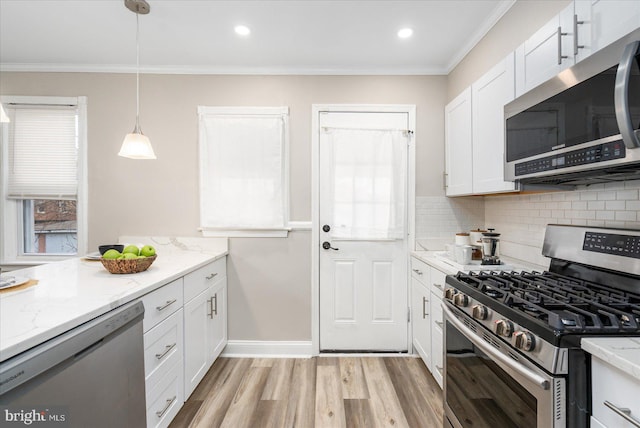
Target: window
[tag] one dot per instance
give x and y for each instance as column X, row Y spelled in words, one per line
column 244, row 186
column 44, row 180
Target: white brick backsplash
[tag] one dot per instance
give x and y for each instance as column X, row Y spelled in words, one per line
column 615, row 205
column 606, row 215
column 578, row 206
column 595, row 205
column 626, row 216
column 588, row 196
column 627, row 195
column 633, row 205
column 606, row 195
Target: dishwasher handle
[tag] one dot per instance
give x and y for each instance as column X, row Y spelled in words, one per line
column 73, row 344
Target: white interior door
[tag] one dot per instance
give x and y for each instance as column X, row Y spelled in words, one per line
column 363, row 231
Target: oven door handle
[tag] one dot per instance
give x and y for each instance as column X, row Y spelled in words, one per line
column 488, row 349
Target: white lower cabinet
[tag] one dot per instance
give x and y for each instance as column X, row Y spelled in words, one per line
column 427, row 287
column 205, row 322
column 181, row 341
column 617, row 388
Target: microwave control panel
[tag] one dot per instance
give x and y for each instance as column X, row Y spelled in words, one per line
column 608, row 243
column 594, row 154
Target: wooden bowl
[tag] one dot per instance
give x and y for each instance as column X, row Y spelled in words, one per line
column 120, row 266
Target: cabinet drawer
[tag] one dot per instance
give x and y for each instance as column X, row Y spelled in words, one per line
column 436, row 310
column 199, row 280
column 166, row 398
column 163, row 347
column 438, row 282
column 420, row 270
column 618, row 388
column 161, row 303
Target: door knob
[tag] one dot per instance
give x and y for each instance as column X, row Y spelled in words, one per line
column 326, row 228
column 327, row 246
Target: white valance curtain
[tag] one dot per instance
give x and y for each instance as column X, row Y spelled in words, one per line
column 242, row 175
column 42, row 152
column 368, row 189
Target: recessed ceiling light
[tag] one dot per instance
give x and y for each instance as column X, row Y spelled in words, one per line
column 405, row 33
column 242, row 30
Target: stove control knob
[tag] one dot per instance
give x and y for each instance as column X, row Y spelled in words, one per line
column 480, row 312
column 503, row 328
column 449, row 293
column 524, row 340
column 461, row 299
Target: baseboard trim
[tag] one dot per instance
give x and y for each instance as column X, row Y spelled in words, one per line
column 268, row 349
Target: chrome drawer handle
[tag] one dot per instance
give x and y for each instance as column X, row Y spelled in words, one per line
column 439, row 370
column 166, row 407
column 166, row 305
column 424, row 310
column 624, row 413
column 440, row 323
column 438, row 285
column 167, row 349
column 215, row 308
column 418, row 271
column 211, row 276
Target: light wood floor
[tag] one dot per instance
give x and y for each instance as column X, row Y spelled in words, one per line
column 315, row 392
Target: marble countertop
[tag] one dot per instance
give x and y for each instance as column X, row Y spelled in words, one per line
column 620, row 352
column 74, row 291
column 435, row 259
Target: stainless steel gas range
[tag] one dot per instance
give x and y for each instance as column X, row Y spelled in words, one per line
column 512, row 339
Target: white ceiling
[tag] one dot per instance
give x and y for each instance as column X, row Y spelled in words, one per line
column 287, row 36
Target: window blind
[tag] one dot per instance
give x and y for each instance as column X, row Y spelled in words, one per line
column 243, row 171
column 42, row 152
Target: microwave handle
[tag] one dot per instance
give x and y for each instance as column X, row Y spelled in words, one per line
column 630, row 136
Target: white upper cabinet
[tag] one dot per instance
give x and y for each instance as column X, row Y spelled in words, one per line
column 488, row 97
column 602, row 22
column 547, row 52
column 458, row 146
column 474, row 134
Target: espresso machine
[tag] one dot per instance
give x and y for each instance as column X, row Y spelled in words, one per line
column 490, row 248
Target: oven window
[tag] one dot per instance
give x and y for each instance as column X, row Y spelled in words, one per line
column 479, row 392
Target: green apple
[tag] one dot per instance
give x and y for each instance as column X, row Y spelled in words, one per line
column 129, row 256
column 111, row 254
column 147, row 251
column 131, row 249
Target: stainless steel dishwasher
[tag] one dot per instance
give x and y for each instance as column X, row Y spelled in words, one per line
column 90, row 376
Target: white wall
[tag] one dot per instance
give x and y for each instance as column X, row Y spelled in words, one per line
column 269, row 278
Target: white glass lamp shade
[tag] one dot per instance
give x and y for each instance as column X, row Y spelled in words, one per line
column 136, row 146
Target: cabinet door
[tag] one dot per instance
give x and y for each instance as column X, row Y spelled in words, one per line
column 421, row 321
column 217, row 319
column 458, row 145
column 489, row 94
column 546, row 53
column 196, row 341
column 600, row 23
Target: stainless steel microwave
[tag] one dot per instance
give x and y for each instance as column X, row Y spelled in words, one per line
column 582, row 126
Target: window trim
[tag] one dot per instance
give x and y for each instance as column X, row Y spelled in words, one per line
column 11, row 222
column 275, row 232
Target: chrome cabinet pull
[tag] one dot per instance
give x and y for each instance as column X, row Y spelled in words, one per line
column 166, row 407
column 424, row 310
column 418, row 271
column 438, row 285
column 440, row 369
column 211, row 276
column 576, row 46
column 440, row 324
column 214, row 310
column 560, row 56
column 166, row 305
column 210, row 302
column 623, row 412
column 167, row 349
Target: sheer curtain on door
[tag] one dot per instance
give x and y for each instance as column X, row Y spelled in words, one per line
column 368, row 183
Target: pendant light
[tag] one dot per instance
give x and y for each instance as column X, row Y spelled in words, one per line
column 136, row 145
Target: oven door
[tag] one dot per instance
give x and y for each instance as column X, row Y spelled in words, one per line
column 487, row 384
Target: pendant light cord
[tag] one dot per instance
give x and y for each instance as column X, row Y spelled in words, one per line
column 137, row 130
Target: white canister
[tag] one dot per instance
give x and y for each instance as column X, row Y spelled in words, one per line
column 462, row 239
column 475, row 236
column 464, row 254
